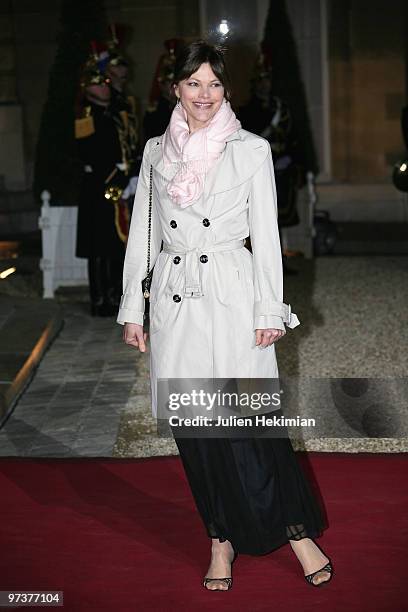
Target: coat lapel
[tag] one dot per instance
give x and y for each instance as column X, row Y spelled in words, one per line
column 239, row 161
column 156, row 159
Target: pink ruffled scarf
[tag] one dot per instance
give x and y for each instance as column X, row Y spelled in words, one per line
column 195, row 153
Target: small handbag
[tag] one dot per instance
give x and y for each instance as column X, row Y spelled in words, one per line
column 146, row 282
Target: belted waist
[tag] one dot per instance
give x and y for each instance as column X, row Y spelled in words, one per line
column 211, row 248
column 193, row 263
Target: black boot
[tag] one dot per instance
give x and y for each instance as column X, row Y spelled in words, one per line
column 114, row 280
column 98, row 273
column 287, row 270
column 95, row 286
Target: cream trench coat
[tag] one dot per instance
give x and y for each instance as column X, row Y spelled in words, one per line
column 209, row 293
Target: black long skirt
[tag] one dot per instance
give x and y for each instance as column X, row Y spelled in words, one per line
column 250, row 491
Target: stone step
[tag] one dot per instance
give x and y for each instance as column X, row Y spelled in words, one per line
column 27, row 328
column 371, row 238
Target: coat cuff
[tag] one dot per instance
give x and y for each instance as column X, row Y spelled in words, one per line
column 269, row 322
column 271, row 308
column 130, row 316
column 131, row 309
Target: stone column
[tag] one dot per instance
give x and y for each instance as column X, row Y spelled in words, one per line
column 12, row 167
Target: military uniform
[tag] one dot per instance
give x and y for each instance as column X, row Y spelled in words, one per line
column 104, row 151
column 162, row 98
column 157, row 118
column 98, row 238
column 125, row 113
column 274, row 123
column 99, row 153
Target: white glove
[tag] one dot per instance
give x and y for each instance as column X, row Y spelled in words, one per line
column 130, row 189
column 283, row 162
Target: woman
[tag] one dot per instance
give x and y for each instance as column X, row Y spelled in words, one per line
column 214, row 306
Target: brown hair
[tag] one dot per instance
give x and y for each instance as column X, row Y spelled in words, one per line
column 190, row 58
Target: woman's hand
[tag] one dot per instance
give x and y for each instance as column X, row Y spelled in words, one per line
column 133, row 335
column 266, row 337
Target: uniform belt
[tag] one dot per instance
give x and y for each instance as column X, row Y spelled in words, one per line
column 193, row 266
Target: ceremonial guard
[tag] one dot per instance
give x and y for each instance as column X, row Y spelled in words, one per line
column 162, row 98
column 123, row 105
column 269, row 116
column 103, row 220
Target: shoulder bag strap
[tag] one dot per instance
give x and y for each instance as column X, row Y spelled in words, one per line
column 148, row 279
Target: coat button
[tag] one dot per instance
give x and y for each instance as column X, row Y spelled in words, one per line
column 177, row 259
column 206, row 222
column 176, row 298
column 173, row 223
column 203, row 258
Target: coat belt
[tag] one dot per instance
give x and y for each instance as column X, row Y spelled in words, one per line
column 193, row 266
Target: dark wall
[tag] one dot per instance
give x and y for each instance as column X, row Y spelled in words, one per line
column 367, row 86
column 28, row 31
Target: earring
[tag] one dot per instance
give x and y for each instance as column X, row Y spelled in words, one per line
column 178, row 103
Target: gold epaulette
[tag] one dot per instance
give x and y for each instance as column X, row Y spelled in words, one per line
column 132, row 103
column 125, row 118
column 85, row 126
column 151, row 108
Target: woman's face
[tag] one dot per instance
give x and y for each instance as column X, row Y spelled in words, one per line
column 201, row 96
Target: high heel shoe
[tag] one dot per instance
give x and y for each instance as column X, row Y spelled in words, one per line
column 327, row 568
column 228, row 580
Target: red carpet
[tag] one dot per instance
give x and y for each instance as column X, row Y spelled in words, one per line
column 123, row 535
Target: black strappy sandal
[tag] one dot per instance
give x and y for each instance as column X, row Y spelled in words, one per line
column 228, row 580
column 327, row 568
